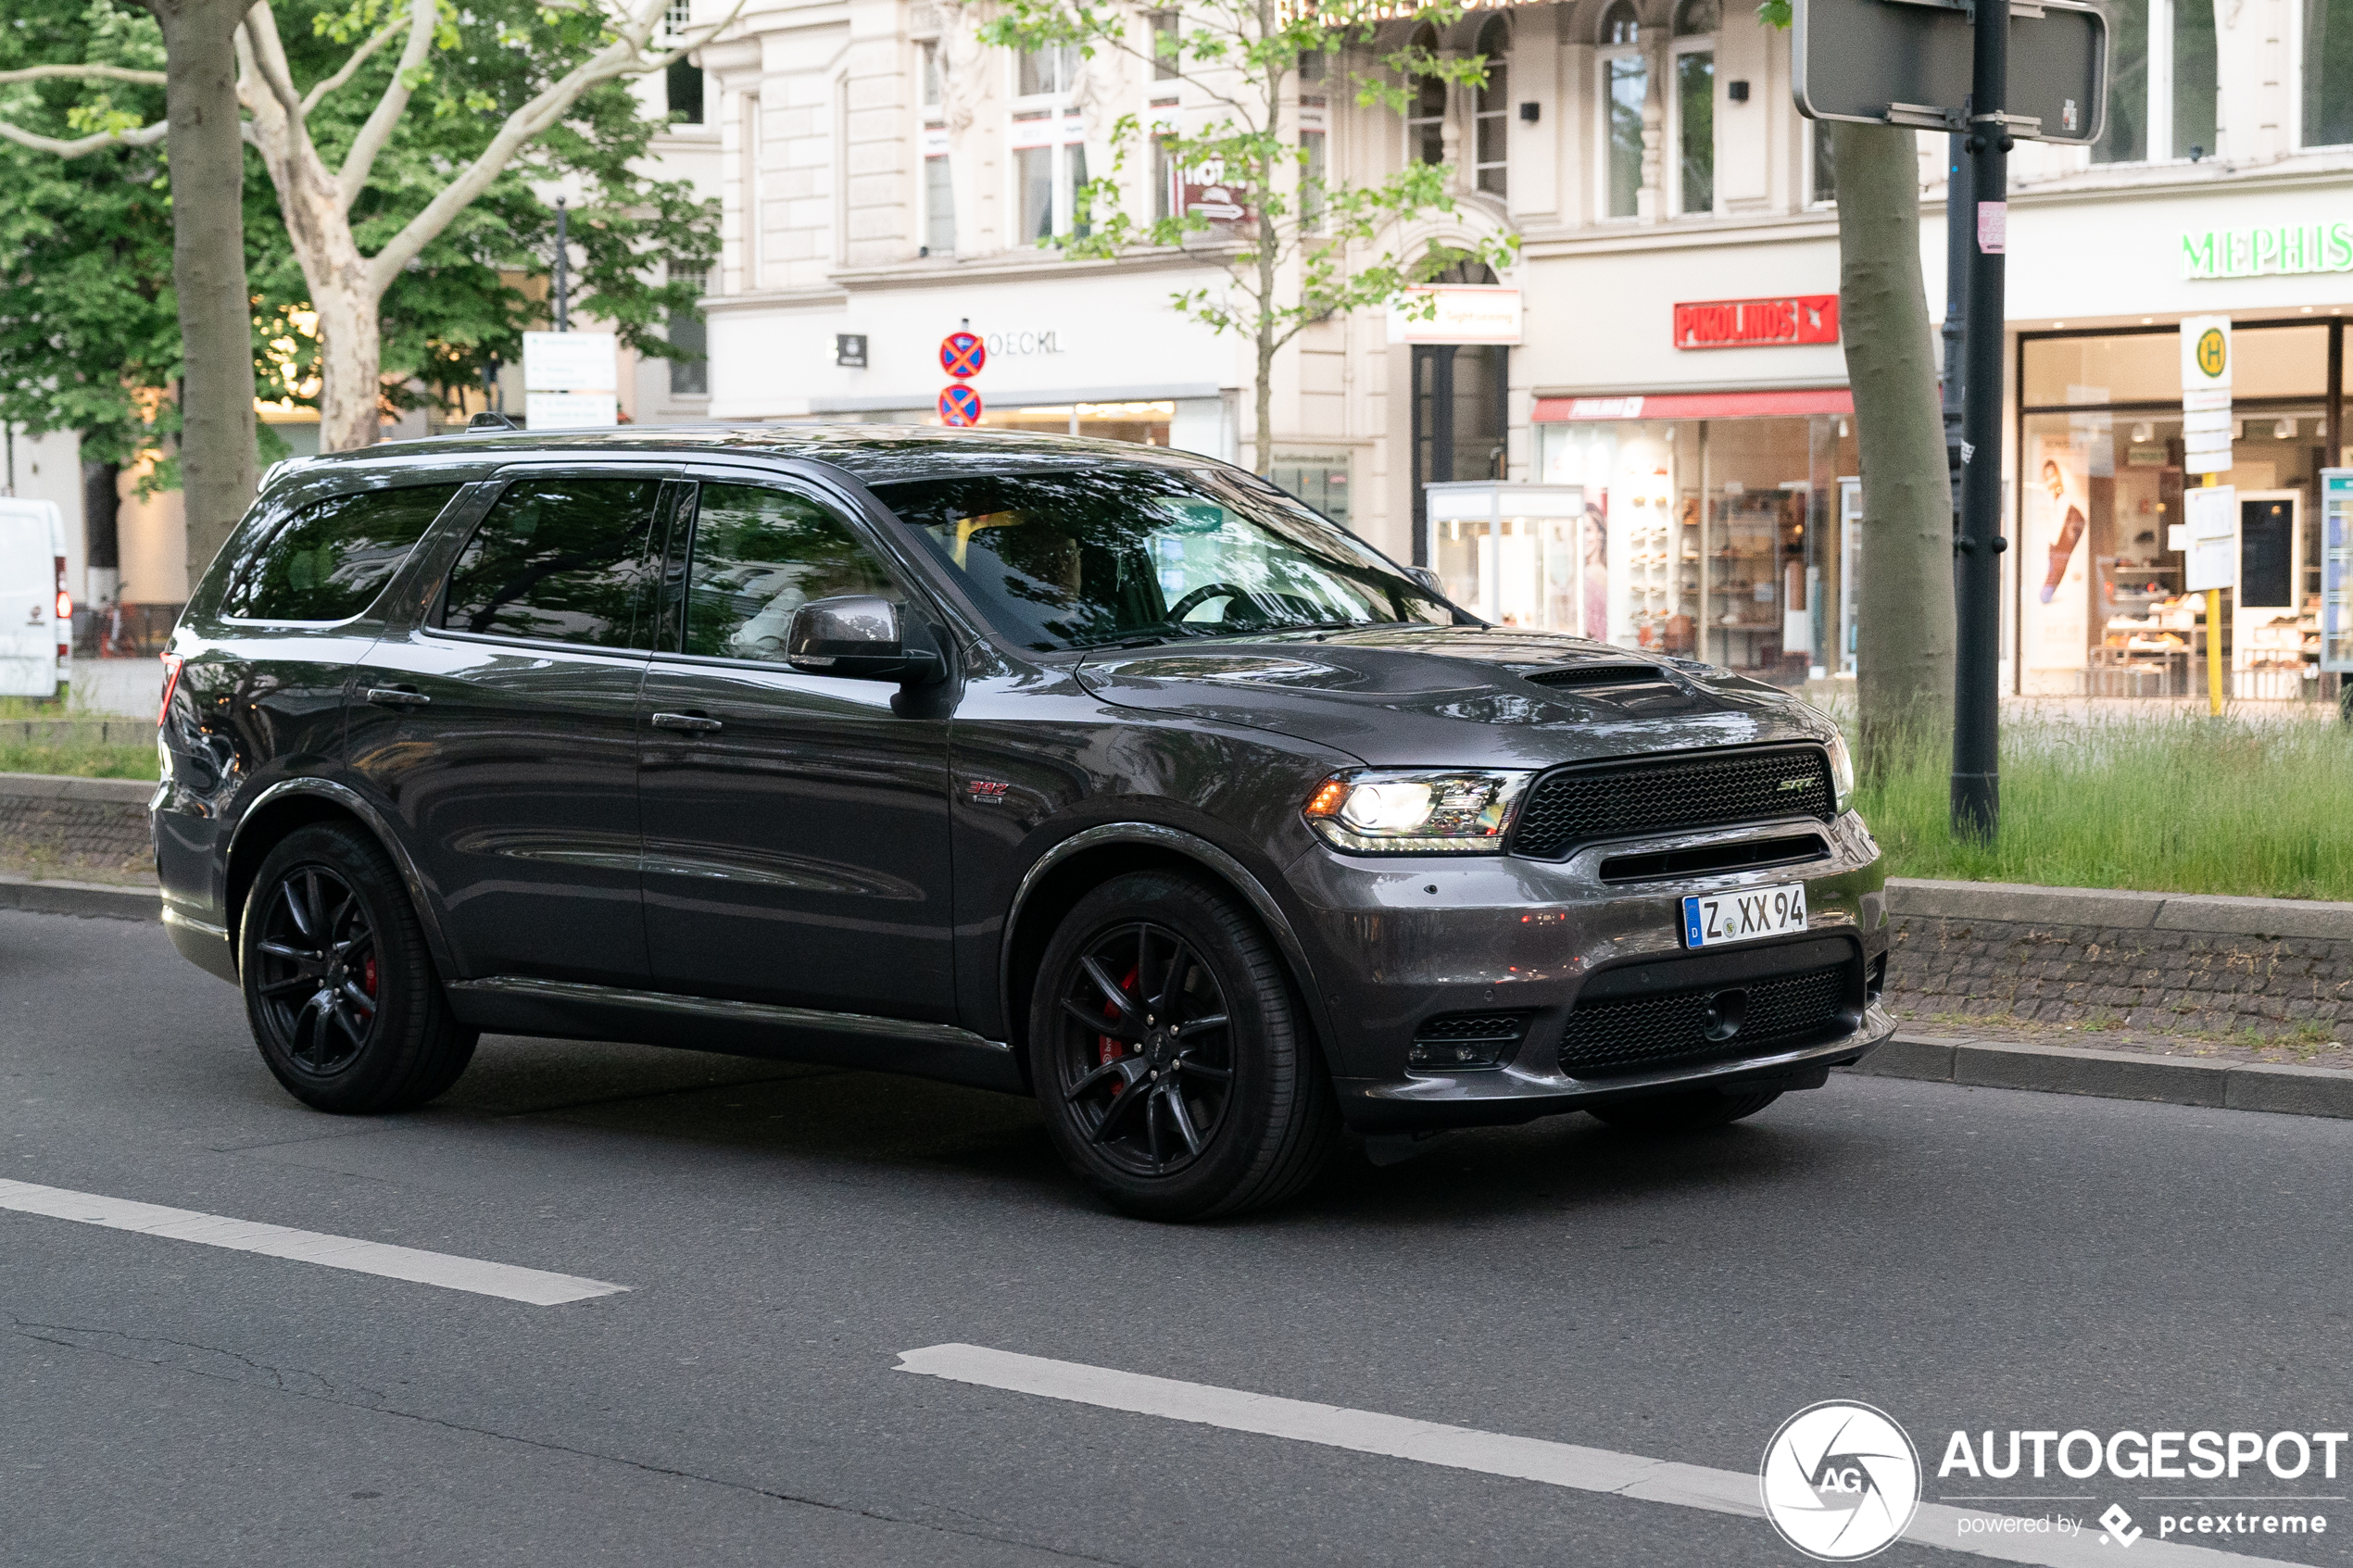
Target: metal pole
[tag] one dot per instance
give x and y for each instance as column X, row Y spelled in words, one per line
column 1958, row 245
column 1978, row 578
column 563, row 270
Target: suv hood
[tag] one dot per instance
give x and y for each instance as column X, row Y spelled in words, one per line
column 1454, row 696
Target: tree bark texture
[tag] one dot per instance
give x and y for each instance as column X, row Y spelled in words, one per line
column 1904, row 633
column 208, row 269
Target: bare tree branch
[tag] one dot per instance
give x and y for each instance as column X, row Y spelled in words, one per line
column 625, row 55
column 260, row 53
column 145, row 136
column 422, row 17
column 350, row 67
column 84, row 73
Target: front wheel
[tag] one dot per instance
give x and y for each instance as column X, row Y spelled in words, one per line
column 339, row 986
column 1688, row 1112
column 1177, row 1073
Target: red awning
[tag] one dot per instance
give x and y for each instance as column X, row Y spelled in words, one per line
column 1697, row 406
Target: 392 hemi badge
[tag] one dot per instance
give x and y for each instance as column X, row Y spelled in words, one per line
column 987, row 792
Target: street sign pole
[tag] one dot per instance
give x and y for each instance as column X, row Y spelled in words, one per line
column 1977, row 799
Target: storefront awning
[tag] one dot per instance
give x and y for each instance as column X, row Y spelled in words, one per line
column 1697, row 405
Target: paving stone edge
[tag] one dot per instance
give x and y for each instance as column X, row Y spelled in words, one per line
column 100, row 900
column 2083, row 1070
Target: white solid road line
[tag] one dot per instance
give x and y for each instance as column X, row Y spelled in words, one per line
column 1524, row 1459
column 534, row 1285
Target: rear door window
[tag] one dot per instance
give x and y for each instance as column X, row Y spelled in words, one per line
column 759, row 555
column 332, row 558
column 560, row 560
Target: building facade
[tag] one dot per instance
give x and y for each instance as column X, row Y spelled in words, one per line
column 1673, row 426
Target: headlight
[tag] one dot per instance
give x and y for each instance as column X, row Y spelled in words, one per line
column 1842, row 773
column 1390, row 812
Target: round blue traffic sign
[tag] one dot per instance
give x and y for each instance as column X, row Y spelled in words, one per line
column 963, row 354
column 959, row 405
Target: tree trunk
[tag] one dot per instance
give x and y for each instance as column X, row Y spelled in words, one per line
column 208, row 269
column 350, row 364
column 1904, row 633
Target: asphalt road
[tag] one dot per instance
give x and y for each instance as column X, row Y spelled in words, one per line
column 1962, row 1258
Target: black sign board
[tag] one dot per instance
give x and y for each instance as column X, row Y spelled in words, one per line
column 1905, row 62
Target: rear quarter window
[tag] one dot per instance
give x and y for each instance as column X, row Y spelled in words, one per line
column 329, row 560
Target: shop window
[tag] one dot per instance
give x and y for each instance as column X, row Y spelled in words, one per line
column 1425, row 117
column 2328, row 72
column 1320, row 479
column 1491, row 126
column 2145, row 368
column 1461, row 400
column 1694, row 68
column 1624, row 85
column 690, row 335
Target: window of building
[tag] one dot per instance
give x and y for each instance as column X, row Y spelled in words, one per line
column 1694, row 144
column 1625, row 84
column 1164, row 37
column 1821, row 163
column 682, row 82
column 1049, row 141
column 1426, row 119
column 690, row 335
column 1312, row 174
column 2161, row 82
column 939, row 207
column 1491, row 119
column 1163, row 181
column 934, row 95
column 559, row 560
column 2328, row 72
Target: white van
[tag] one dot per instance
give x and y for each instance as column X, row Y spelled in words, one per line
column 36, row 615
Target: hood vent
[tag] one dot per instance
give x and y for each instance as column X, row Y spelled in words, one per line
column 1599, row 675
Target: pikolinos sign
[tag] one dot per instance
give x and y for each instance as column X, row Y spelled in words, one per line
column 1757, row 323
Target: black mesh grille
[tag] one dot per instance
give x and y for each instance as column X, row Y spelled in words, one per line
column 1578, row 806
column 1473, row 1026
column 1636, row 1033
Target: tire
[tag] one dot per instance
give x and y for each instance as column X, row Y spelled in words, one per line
column 1179, row 1075
column 1690, row 1112
column 340, row 990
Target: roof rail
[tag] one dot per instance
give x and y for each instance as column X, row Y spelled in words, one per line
column 489, row 420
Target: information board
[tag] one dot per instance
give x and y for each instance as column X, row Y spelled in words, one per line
column 2336, row 571
column 2213, row 557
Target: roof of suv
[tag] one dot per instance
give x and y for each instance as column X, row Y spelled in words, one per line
column 874, row 454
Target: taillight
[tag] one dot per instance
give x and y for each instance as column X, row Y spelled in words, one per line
column 171, row 662
column 65, row 605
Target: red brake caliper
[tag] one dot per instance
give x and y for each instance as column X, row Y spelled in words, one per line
column 367, row 976
column 1107, row 1049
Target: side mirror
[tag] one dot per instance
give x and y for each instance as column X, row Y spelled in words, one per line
column 859, row 635
column 1427, row 579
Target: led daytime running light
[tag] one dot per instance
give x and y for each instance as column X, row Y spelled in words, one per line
column 1398, row 811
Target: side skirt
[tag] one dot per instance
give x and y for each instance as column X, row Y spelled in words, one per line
column 513, row 1005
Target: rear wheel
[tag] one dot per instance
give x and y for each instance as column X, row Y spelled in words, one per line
column 1687, row 1112
column 1177, row 1073
column 339, row 987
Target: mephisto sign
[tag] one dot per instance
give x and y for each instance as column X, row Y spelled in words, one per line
column 2133, row 1456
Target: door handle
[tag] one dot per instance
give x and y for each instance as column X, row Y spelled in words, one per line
column 697, row 722
column 396, row 697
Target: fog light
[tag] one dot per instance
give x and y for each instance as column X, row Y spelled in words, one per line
column 1456, row 1041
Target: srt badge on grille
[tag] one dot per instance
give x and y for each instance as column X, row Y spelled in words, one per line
column 1795, row 783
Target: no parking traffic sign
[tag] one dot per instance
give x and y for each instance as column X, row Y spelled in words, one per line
column 959, row 405
column 962, row 355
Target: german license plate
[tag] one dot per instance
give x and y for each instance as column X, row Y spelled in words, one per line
column 1712, row 920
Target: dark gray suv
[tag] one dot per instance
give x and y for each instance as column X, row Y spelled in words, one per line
column 1105, row 773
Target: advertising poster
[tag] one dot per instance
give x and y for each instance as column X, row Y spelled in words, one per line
column 2056, row 561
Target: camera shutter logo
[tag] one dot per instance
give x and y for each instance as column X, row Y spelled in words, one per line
column 1841, row 1480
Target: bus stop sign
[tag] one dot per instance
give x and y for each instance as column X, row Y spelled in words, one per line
column 1908, row 62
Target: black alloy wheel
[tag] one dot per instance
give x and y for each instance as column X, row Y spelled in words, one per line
column 1147, row 1054
column 1177, row 1070
column 317, row 975
column 340, row 987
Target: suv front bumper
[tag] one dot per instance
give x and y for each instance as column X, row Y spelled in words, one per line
column 1395, row 942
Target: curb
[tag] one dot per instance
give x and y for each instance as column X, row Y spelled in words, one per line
column 85, row 898
column 57, row 786
column 2074, row 1070
column 2027, row 905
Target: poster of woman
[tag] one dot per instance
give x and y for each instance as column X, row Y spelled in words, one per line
column 2056, row 561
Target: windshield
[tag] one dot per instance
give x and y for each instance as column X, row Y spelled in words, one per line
column 1117, row 555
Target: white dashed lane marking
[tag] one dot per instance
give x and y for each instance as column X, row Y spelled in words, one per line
column 1494, row 1453
column 534, row 1285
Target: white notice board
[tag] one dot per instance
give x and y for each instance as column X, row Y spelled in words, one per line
column 2214, row 559
column 570, row 362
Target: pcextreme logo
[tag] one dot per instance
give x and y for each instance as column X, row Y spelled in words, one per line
column 1841, row 1480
